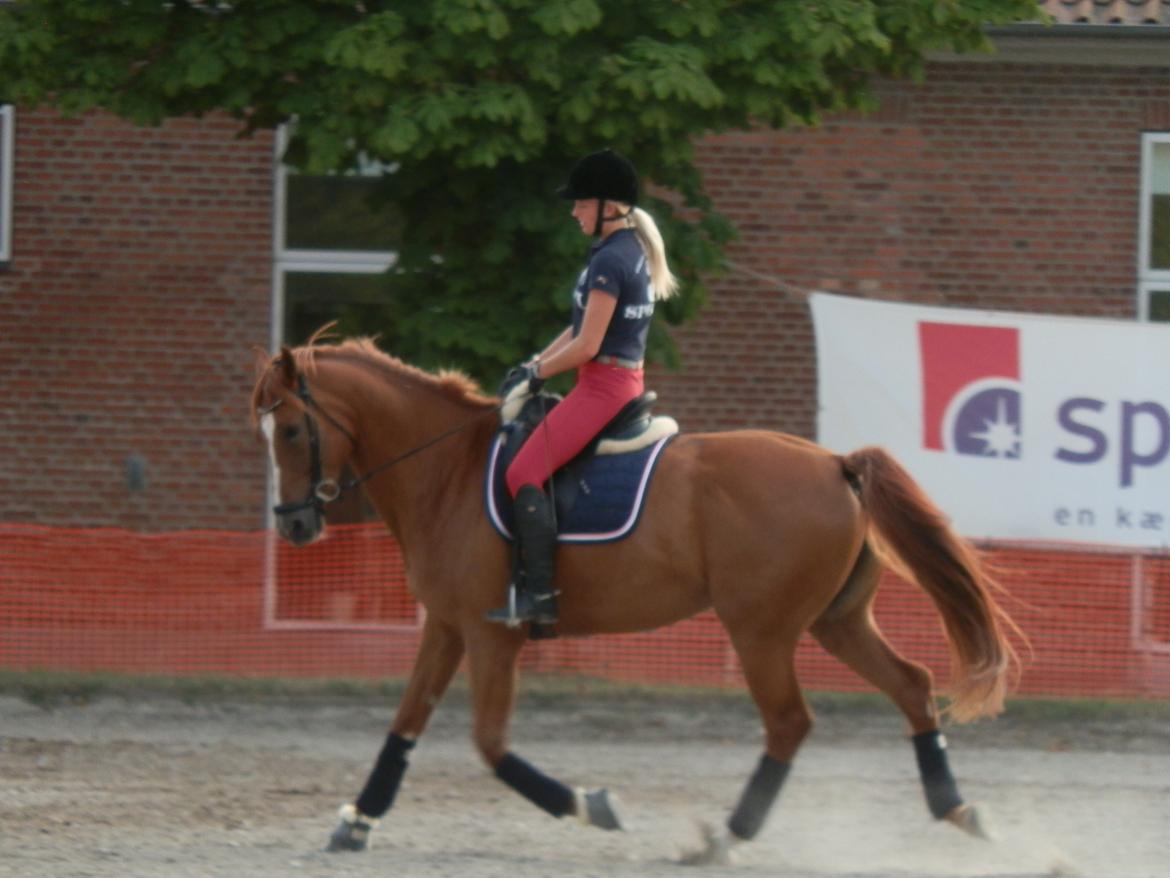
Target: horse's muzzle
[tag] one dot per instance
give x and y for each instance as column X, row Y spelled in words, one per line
column 300, row 523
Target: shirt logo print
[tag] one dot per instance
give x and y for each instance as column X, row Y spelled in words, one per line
column 638, row 312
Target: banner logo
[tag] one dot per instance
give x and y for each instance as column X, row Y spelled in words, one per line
column 970, row 389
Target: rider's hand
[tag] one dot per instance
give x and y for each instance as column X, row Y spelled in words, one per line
column 517, row 375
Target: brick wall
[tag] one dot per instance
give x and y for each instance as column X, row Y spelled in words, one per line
column 141, row 273
column 987, row 186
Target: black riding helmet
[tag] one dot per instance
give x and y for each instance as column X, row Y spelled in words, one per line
column 604, row 175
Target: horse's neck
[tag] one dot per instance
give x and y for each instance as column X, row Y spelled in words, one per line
column 418, row 493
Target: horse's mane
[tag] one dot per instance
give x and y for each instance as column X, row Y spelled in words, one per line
column 453, row 384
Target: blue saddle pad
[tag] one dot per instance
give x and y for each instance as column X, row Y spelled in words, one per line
column 611, row 491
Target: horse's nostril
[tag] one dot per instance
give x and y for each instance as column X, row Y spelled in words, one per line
column 300, row 531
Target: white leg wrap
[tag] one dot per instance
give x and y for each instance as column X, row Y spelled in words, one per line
column 579, row 805
column 350, row 814
column 716, row 848
column 599, row 808
column 353, row 833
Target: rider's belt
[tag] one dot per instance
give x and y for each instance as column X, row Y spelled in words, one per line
column 622, row 362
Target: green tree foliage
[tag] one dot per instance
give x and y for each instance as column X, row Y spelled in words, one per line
column 483, row 105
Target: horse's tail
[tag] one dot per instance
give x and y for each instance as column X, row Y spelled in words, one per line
column 916, row 539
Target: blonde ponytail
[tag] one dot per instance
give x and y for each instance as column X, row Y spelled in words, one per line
column 663, row 280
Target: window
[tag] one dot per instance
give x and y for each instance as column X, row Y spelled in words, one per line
column 333, row 242
column 334, row 245
column 1154, row 246
column 6, row 159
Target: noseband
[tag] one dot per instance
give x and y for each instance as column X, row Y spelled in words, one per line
column 321, row 491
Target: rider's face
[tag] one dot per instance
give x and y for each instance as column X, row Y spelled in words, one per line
column 585, row 213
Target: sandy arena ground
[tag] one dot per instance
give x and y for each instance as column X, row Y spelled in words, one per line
column 156, row 786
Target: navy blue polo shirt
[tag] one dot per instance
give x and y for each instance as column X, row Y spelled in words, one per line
column 617, row 267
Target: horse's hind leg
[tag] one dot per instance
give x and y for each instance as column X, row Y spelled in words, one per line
column 856, row 640
column 492, row 655
column 438, row 658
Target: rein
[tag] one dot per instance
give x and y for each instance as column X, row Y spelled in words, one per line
column 353, row 483
column 322, row 491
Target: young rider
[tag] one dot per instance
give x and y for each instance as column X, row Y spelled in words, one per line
column 605, row 342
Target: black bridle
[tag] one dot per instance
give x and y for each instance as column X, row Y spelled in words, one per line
column 323, row 491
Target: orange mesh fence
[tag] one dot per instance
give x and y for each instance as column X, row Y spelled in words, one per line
column 203, row 602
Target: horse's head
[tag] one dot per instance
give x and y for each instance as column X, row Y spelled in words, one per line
column 308, row 444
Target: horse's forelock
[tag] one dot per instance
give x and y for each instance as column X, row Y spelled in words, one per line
column 322, row 333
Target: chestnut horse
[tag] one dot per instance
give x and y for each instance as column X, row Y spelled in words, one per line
column 778, row 535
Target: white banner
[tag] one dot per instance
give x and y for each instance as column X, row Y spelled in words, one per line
column 1018, row 426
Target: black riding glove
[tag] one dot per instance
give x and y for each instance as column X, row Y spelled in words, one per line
column 517, row 375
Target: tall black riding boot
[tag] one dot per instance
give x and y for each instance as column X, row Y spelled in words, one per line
column 531, row 596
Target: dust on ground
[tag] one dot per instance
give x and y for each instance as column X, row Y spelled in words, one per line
column 153, row 785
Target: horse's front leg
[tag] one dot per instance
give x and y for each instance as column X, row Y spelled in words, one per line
column 492, row 654
column 438, row 658
column 767, row 663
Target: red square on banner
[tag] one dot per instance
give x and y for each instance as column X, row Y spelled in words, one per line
column 954, row 355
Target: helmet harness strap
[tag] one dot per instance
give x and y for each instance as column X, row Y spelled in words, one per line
column 602, row 219
column 600, row 222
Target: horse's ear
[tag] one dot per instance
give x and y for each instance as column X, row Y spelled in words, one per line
column 288, row 366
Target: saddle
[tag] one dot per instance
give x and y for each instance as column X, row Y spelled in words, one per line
column 632, row 429
column 608, row 476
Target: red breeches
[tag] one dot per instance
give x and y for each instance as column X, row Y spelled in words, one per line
column 599, row 394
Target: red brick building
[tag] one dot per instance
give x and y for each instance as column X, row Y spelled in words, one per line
column 137, row 266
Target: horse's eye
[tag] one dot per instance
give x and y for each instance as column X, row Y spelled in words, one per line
column 291, row 432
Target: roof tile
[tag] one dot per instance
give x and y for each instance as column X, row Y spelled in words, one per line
column 1119, row 12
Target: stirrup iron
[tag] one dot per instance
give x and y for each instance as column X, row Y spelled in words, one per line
column 522, row 606
column 507, row 613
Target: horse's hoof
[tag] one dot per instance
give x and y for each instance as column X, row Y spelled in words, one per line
column 353, row 832
column 968, row 819
column 599, row 808
column 716, row 849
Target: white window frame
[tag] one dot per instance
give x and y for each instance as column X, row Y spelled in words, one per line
column 1149, row 279
column 289, row 260
column 7, row 157
column 286, row 261
column 1146, row 289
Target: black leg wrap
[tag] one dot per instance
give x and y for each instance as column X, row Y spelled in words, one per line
column 942, row 793
column 382, row 785
column 758, row 797
column 537, row 787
